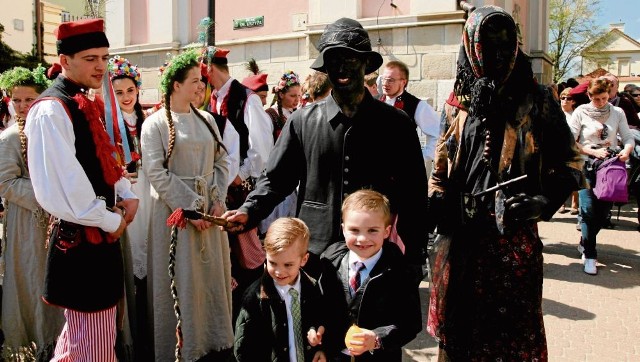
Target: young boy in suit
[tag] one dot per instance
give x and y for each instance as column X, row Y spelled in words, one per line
column 380, row 294
column 284, row 313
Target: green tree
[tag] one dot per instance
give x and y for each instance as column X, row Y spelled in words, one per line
column 10, row 58
column 572, row 28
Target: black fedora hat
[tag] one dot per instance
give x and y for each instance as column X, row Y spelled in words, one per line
column 347, row 34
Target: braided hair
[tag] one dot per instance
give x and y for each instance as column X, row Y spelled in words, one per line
column 288, row 80
column 137, row 107
column 177, row 72
column 23, row 77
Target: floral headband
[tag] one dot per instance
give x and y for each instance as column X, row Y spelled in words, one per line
column 288, row 79
column 20, row 76
column 188, row 58
column 119, row 66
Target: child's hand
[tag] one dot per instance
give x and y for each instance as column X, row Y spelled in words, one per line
column 319, row 357
column 362, row 342
column 234, row 283
column 315, row 337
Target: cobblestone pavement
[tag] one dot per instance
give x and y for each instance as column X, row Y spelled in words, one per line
column 587, row 318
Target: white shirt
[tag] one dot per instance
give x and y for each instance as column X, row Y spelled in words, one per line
column 587, row 131
column 284, row 294
column 429, row 123
column 59, row 182
column 368, row 264
column 231, row 140
column 260, row 133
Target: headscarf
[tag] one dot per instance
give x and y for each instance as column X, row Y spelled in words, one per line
column 491, row 103
column 472, row 38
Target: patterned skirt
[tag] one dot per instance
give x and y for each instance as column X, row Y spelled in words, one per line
column 486, row 296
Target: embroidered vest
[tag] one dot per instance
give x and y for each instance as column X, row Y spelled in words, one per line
column 410, row 104
column 88, row 277
column 64, row 90
column 236, row 103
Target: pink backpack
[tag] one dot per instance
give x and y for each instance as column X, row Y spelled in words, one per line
column 611, row 181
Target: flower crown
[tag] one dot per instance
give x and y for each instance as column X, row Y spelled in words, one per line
column 183, row 60
column 288, row 79
column 119, row 66
column 20, row 76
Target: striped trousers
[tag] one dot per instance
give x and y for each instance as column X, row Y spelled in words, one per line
column 87, row 337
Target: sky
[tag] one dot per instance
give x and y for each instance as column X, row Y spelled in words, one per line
column 621, row 11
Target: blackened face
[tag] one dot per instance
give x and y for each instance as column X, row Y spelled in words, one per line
column 498, row 49
column 345, row 70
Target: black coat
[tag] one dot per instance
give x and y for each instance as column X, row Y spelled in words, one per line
column 388, row 302
column 261, row 332
column 330, row 156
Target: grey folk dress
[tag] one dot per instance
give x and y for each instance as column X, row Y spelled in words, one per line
column 196, row 176
column 25, row 317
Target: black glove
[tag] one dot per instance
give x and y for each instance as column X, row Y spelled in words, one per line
column 522, row 207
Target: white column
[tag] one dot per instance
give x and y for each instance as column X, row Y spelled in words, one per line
column 162, row 21
column 184, row 22
column 117, row 23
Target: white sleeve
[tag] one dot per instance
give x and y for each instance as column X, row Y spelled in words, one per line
column 231, row 140
column 123, row 189
column 260, row 134
column 575, row 124
column 59, row 182
column 429, row 123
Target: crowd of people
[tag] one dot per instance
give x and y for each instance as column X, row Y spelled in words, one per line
column 211, row 228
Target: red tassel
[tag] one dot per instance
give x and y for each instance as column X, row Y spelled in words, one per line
column 93, row 235
column 104, row 149
column 177, row 219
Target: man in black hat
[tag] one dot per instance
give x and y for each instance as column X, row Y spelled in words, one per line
column 76, row 179
column 343, row 143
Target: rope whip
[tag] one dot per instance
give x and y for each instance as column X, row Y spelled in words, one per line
column 178, row 220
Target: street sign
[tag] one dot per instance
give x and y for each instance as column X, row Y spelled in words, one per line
column 248, row 22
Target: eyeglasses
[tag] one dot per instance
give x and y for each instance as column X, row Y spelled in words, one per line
column 635, row 95
column 390, row 80
column 604, row 133
column 566, row 98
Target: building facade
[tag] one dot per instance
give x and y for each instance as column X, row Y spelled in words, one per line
column 619, row 54
column 282, row 35
column 18, row 22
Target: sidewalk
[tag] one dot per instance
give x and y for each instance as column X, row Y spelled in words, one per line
column 587, row 318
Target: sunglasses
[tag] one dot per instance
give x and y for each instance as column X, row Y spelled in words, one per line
column 605, row 132
column 566, row 98
column 634, row 95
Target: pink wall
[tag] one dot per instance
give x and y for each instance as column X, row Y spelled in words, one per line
column 277, row 17
column 199, row 9
column 375, row 8
column 138, row 21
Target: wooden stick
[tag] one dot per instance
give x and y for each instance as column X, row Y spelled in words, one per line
column 500, row 186
column 197, row 215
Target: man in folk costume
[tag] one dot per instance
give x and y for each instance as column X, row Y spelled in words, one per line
column 394, row 93
column 251, row 138
column 77, row 180
column 257, row 81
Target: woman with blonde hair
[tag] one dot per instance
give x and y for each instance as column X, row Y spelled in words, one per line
column 25, row 318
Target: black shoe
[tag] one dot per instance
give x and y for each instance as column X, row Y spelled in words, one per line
column 578, row 227
column 608, row 225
